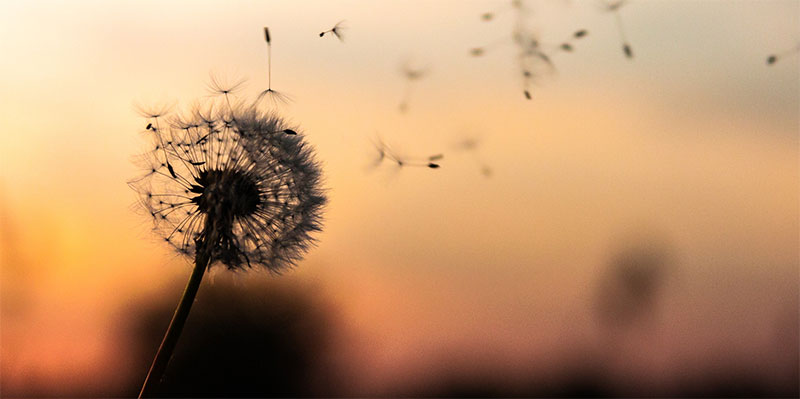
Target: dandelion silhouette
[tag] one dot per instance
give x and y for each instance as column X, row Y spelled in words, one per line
column 773, row 58
column 236, row 187
column 410, row 74
column 275, row 98
column 337, row 31
column 613, row 6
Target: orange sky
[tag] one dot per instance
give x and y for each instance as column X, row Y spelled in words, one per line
column 694, row 140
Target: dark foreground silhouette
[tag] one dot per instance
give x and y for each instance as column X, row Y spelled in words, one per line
column 245, row 339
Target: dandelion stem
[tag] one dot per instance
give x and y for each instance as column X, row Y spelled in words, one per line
column 269, row 66
column 175, row 326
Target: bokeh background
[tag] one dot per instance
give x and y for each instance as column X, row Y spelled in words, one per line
column 638, row 234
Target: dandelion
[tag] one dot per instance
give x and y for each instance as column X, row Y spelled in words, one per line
column 773, row 58
column 275, row 98
column 236, row 187
column 336, row 31
column 613, row 6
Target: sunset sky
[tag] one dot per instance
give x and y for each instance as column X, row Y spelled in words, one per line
column 692, row 144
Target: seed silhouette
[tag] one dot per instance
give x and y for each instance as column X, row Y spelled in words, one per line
column 773, row 58
column 613, row 6
column 534, row 57
column 471, row 146
column 627, row 49
column 567, row 45
column 410, row 74
column 386, row 153
column 337, row 31
column 275, row 98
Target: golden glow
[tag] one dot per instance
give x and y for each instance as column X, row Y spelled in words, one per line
column 695, row 140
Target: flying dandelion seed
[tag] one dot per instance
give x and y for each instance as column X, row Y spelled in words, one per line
column 410, row 74
column 480, row 51
column 274, row 98
column 337, row 31
column 236, row 187
column 534, row 57
column 384, row 153
column 490, row 15
column 520, row 17
column 613, row 6
column 568, row 44
column 477, row 51
column 380, row 153
column 533, row 60
column 471, row 145
column 773, row 58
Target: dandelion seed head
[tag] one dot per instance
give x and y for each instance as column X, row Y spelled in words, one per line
column 235, row 184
